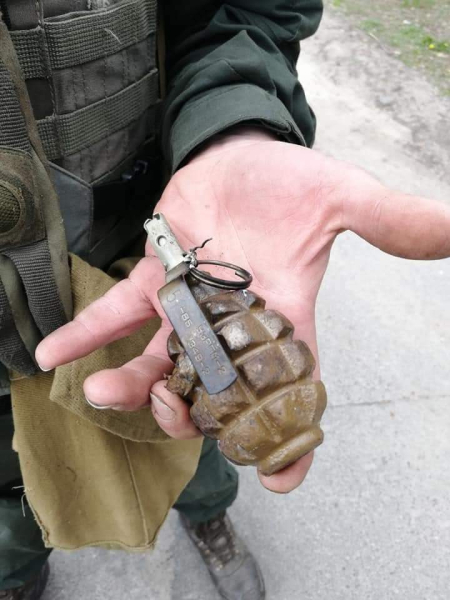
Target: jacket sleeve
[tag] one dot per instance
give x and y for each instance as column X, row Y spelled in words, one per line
column 233, row 62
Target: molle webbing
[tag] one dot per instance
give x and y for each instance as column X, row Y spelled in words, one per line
column 99, row 65
column 76, row 41
column 31, row 52
column 34, row 280
column 63, row 135
column 34, row 266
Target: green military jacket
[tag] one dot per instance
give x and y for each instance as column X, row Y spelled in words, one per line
column 227, row 63
column 234, row 62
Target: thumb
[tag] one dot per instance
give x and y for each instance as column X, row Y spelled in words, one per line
column 170, row 411
column 397, row 223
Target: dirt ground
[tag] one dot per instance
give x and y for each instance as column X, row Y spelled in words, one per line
column 415, row 31
column 374, row 110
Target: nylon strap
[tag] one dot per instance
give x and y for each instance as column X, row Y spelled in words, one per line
column 31, row 51
column 34, row 265
column 13, row 131
column 81, row 40
column 13, row 352
column 63, row 135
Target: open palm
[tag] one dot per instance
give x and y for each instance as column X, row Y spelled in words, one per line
column 272, row 208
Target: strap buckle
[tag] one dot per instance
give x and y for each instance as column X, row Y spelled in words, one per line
column 139, row 168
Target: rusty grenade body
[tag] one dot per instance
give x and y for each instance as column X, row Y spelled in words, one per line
column 270, row 416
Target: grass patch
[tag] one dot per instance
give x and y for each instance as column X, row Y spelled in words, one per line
column 418, row 3
column 372, row 25
column 418, row 31
column 435, row 45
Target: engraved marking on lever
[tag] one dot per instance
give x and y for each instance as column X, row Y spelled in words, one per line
column 198, row 339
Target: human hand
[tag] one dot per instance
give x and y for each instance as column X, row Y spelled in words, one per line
column 274, row 209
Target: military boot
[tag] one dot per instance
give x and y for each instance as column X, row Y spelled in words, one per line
column 233, row 569
column 29, row 591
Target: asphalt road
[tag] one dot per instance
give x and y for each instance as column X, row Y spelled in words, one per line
column 372, row 521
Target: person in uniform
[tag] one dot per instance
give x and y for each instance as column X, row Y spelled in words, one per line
column 235, row 133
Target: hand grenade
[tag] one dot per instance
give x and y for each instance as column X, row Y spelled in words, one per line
column 270, row 416
column 250, row 383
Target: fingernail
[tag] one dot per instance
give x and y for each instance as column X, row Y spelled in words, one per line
column 42, row 368
column 97, row 406
column 161, row 409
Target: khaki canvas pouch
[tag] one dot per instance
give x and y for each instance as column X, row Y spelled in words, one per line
column 92, row 477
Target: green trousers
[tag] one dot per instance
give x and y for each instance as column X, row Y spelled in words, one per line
column 22, row 552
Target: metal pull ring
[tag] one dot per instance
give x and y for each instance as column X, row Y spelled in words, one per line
column 223, row 284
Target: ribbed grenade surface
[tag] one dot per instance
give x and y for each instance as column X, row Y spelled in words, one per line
column 270, row 416
column 9, row 209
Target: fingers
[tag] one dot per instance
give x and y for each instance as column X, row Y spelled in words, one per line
column 301, row 313
column 400, row 224
column 289, row 478
column 172, row 413
column 139, row 384
column 126, row 388
column 119, row 312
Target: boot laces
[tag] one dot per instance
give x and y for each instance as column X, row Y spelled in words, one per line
column 219, row 540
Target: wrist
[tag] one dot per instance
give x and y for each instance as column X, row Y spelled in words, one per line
column 238, row 135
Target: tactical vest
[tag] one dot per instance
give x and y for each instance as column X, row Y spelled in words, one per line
column 77, row 135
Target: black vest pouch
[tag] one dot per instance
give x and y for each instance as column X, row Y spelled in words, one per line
column 76, row 202
column 35, row 296
column 102, row 221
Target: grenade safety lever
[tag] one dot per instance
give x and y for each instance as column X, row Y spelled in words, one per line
column 199, row 340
